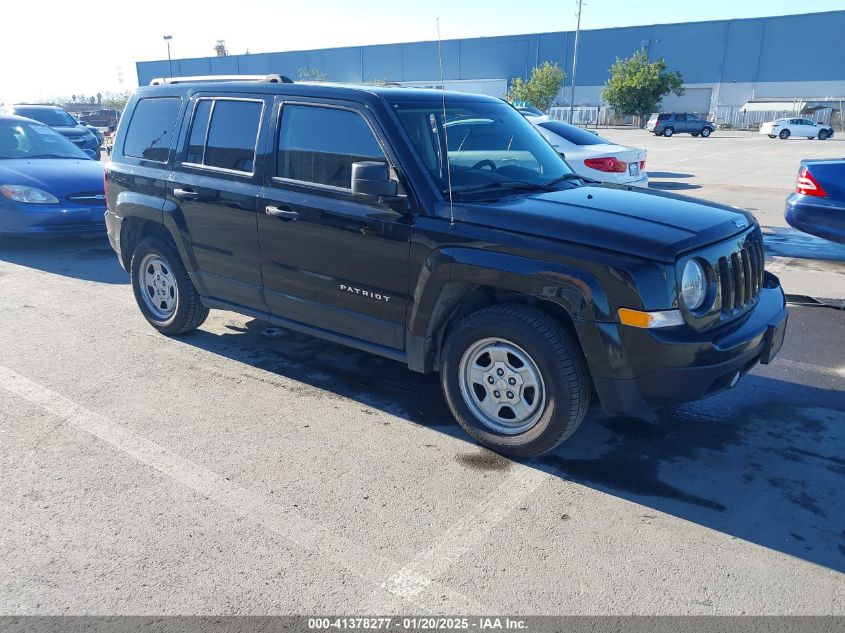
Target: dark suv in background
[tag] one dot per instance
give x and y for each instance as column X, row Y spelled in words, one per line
column 58, row 119
column 669, row 123
column 343, row 212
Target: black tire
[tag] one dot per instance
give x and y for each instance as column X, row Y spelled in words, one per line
column 784, row 134
column 705, row 132
column 669, row 131
column 189, row 311
column 772, row 136
column 558, row 359
column 823, row 134
column 694, row 133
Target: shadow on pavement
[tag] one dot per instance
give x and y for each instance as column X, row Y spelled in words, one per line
column 70, row 257
column 667, row 174
column 763, row 462
column 671, row 186
column 789, row 242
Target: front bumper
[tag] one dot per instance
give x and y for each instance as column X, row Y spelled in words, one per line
column 51, row 220
column 646, row 369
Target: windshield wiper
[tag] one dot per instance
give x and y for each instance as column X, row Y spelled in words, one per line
column 565, row 177
column 500, row 184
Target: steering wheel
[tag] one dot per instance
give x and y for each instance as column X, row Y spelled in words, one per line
column 485, row 163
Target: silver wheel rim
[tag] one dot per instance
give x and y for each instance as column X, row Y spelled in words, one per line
column 502, row 386
column 158, row 286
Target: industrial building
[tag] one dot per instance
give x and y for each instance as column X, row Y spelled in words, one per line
column 732, row 69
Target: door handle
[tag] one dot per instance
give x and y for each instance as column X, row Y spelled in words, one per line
column 186, row 194
column 285, row 213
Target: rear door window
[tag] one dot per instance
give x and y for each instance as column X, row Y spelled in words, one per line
column 232, row 135
column 151, row 128
column 224, row 133
column 319, row 144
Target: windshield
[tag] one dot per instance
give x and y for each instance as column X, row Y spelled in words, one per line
column 490, row 145
column 31, row 140
column 574, row 135
column 54, row 117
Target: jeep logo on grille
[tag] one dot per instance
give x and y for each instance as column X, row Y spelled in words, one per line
column 740, row 223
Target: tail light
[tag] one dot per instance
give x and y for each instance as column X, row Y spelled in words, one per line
column 607, row 164
column 807, row 185
column 642, row 165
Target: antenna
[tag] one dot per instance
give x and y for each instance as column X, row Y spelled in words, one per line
column 445, row 132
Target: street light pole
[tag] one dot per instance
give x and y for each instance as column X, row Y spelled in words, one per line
column 167, row 39
column 575, row 62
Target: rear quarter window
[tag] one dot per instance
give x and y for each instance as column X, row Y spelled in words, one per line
column 150, row 131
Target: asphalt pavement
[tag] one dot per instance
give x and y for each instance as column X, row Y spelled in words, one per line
column 231, row 472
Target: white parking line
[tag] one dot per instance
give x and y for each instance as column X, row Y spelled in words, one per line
column 298, row 529
column 414, row 578
column 818, row 369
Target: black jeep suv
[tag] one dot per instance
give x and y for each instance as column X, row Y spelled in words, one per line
column 442, row 231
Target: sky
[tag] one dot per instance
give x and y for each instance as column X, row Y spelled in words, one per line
column 39, row 60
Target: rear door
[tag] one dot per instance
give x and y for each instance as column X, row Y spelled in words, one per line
column 214, row 189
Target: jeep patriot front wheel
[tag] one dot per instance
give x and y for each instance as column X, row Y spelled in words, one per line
column 514, row 379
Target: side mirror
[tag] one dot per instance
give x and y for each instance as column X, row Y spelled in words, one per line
column 372, row 178
column 91, row 153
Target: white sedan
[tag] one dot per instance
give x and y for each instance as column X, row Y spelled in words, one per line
column 592, row 156
column 784, row 128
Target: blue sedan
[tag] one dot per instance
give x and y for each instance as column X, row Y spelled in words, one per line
column 818, row 204
column 48, row 186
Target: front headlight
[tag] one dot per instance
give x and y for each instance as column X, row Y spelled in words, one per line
column 693, row 285
column 30, row 195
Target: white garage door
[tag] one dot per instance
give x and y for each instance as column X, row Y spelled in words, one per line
column 694, row 100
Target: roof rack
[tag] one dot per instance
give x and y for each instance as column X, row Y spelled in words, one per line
column 271, row 79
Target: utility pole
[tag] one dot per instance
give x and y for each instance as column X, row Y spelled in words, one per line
column 167, row 39
column 575, row 61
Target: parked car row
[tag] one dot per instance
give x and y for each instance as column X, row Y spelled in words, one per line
column 63, row 123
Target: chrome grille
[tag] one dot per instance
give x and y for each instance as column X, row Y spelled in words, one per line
column 741, row 277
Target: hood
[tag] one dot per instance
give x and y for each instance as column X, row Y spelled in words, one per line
column 59, row 176
column 73, row 131
column 650, row 224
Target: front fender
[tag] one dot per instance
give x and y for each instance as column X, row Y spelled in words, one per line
column 575, row 290
column 450, row 275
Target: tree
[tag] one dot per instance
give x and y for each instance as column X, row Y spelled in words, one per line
column 116, row 100
column 312, row 74
column 637, row 85
column 541, row 89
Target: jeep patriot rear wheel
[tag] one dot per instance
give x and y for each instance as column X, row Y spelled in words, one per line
column 514, row 379
column 163, row 290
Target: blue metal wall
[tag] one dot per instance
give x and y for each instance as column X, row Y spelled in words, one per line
column 774, row 49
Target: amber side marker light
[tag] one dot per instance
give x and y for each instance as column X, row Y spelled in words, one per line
column 648, row 320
